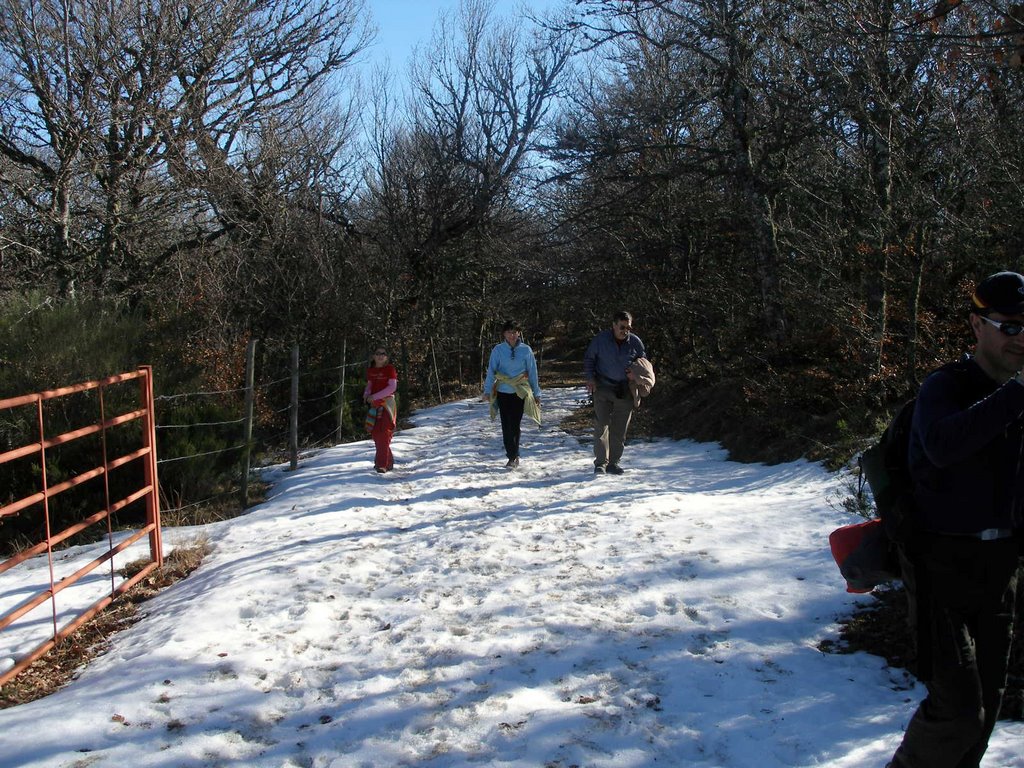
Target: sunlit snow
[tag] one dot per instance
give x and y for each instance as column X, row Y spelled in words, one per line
column 453, row 613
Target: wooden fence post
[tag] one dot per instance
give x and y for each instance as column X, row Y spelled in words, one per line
column 341, row 392
column 403, row 381
column 250, row 377
column 483, row 359
column 293, row 431
column 437, row 375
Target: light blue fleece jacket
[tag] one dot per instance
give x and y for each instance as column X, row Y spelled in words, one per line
column 512, row 361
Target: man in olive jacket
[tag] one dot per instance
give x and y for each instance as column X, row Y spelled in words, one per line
column 967, row 464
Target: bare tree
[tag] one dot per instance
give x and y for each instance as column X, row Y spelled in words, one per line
column 116, row 113
column 905, row 158
column 713, row 90
column 447, row 194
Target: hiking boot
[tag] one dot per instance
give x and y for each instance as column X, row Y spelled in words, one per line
column 614, row 469
column 381, row 470
column 512, row 463
column 599, row 469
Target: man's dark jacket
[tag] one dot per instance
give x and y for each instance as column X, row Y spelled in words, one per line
column 967, row 450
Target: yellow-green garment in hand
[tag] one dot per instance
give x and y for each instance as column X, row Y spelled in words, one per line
column 521, row 384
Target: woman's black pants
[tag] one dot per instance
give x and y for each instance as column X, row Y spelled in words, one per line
column 510, row 407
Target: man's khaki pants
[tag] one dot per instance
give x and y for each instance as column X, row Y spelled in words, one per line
column 611, row 420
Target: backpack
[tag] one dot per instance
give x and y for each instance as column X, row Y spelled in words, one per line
column 865, row 555
column 869, row 554
column 885, row 466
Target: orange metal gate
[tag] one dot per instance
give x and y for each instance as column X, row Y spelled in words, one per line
column 146, row 492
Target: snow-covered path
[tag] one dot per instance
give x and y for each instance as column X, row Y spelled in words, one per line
column 453, row 613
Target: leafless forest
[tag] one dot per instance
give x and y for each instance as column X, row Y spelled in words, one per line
column 791, row 197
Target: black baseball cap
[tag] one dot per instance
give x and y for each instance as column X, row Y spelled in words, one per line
column 1002, row 292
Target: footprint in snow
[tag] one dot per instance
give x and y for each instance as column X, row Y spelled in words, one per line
column 705, row 642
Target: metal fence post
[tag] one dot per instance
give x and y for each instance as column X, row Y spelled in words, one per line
column 156, row 544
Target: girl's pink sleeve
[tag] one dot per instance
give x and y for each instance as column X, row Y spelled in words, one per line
column 387, row 391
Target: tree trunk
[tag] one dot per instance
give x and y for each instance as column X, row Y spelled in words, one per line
column 914, row 303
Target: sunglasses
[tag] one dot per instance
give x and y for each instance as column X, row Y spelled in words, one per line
column 380, row 354
column 1009, row 328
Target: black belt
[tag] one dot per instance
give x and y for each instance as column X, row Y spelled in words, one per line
column 989, row 534
column 604, row 381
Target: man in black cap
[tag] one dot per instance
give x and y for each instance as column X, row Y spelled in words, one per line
column 967, row 463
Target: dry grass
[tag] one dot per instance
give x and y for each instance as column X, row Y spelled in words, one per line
column 61, row 664
column 226, row 507
column 879, row 628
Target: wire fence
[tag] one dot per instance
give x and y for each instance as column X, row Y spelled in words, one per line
column 209, row 439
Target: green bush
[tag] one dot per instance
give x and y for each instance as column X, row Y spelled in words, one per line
column 46, row 344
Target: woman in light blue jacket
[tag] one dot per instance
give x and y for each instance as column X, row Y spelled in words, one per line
column 512, row 387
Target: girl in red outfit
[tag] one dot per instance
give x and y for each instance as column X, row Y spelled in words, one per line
column 379, row 395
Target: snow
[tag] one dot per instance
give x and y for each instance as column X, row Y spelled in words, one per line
column 453, row 613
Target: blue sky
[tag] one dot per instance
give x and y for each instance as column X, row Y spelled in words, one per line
column 402, row 24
